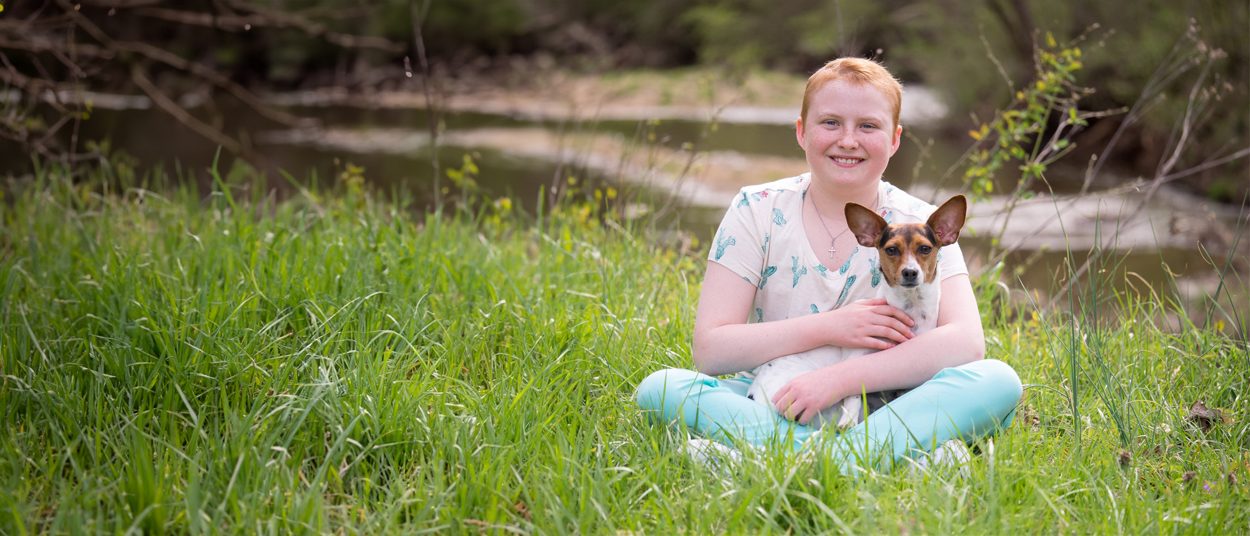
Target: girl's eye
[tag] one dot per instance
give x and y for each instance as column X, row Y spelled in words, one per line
column 868, row 126
column 891, row 251
column 925, row 250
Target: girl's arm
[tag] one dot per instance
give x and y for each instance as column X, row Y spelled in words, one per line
column 724, row 342
column 957, row 339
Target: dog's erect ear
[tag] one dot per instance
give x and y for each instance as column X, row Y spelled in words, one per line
column 865, row 224
column 948, row 219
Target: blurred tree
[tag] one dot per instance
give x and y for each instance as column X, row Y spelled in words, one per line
column 798, row 35
column 978, row 53
column 173, row 52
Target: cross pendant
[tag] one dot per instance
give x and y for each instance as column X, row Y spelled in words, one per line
column 832, row 250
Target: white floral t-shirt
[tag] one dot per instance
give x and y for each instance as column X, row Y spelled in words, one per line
column 763, row 240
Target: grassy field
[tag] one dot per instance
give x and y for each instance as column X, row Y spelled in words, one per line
column 334, row 362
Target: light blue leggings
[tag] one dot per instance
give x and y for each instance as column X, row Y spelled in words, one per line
column 968, row 402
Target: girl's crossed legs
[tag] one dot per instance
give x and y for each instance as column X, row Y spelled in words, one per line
column 968, row 402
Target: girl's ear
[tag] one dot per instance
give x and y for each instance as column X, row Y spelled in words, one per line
column 865, row 224
column 948, row 219
column 898, row 139
column 798, row 132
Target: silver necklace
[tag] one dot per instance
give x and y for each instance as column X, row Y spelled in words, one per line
column 833, row 239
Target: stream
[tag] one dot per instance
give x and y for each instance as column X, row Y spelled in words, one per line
column 698, row 159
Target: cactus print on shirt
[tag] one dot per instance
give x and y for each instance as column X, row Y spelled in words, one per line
column 766, row 225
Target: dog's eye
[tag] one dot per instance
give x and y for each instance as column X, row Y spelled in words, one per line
column 891, row 251
column 925, row 250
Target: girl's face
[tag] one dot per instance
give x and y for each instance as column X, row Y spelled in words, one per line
column 848, row 135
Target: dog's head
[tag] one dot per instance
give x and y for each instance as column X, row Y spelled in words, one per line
column 908, row 250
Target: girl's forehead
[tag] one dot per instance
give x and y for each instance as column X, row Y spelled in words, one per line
column 844, row 97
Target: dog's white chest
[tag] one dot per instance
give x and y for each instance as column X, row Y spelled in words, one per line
column 920, row 303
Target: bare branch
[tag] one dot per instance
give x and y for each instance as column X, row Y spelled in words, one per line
column 1209, row 164
column 427, row 81
column 271, row 19
column 66, row 42
column 284, row 20
column 36, row 42
column 172, row 108
column 197, row 69
column 120, row 4
column 1164, row 171
column 1186, row 124
column 1178, row 62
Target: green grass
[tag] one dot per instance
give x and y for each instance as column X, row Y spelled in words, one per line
column 339, row 363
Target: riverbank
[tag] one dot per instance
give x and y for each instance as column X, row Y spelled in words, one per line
column 699, row 136
column 1167, row 218
column 1127, row 218
column 695, row 94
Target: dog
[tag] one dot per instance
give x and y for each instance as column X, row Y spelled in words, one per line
column 908, row 260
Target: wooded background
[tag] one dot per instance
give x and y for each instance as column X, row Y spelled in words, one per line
column 1159, row 56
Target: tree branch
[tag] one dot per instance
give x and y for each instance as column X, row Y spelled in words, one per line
column 287, row 20
column 182, row 115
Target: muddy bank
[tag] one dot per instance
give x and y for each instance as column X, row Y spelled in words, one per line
column 922, row 107
column 1119, row 220
column 701, row 179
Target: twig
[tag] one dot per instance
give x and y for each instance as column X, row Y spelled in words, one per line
column 172, row 108
column 265, row 18
column 282, row 19
column 1172, row 67
column 1166, row 166
column 121, row 4
column 177, row 62
column 418, row 20
column 1186, row 126
column 989, row 51
column 69, row 32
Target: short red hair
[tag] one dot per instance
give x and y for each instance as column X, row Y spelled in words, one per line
column 858, row 71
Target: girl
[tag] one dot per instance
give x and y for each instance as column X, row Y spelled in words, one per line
column 785, row 276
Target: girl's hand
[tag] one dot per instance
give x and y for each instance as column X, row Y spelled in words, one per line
column 806, row 395
column 870, row 323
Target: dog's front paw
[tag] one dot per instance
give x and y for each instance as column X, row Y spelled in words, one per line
column 851, row 410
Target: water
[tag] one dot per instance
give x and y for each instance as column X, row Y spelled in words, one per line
column 517, row 156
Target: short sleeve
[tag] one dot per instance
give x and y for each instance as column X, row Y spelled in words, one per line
column 951, row 262
column 737, row 244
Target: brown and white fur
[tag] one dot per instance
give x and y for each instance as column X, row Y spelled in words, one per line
column 908, row 257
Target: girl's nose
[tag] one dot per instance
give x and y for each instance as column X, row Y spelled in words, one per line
column 846, row 139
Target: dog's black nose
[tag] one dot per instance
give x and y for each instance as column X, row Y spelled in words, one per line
column 910, row 274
